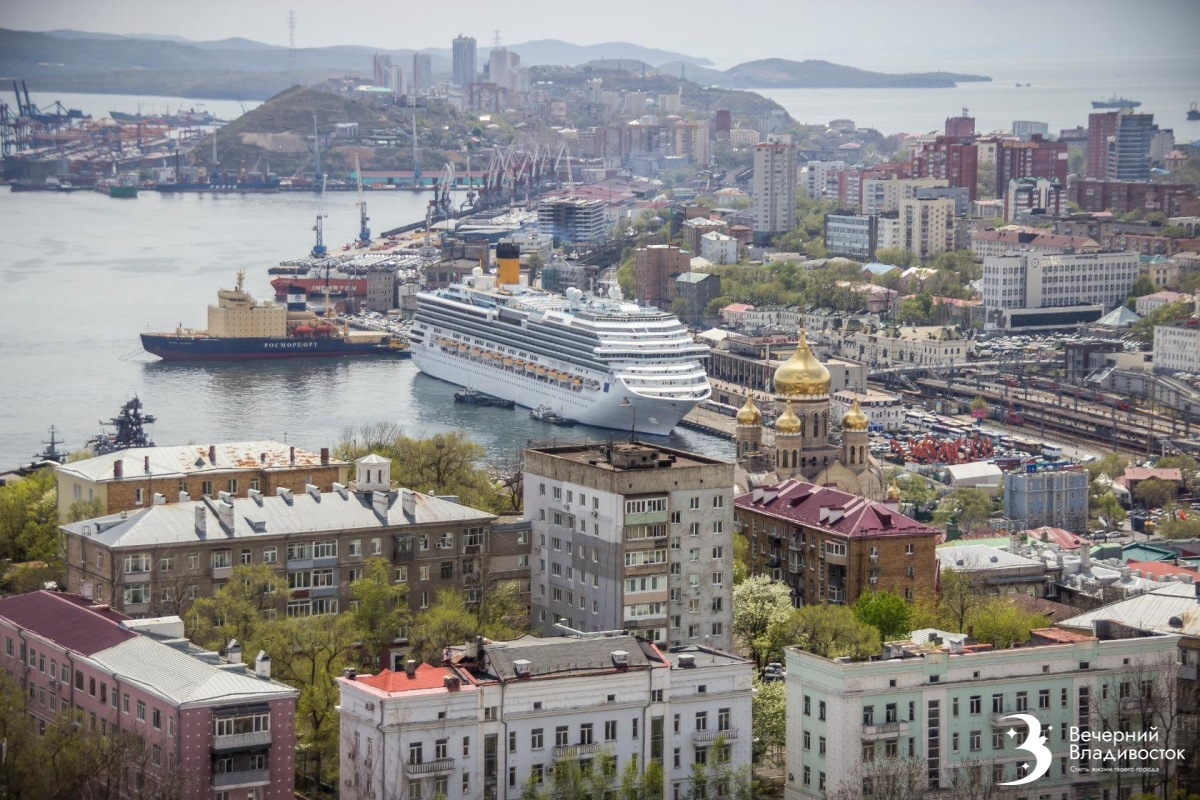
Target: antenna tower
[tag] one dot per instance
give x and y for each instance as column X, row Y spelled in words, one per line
column 291, row 60
column 496, row 37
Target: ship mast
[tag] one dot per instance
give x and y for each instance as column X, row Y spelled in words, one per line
column 364, row 233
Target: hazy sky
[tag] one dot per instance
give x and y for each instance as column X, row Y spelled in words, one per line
column 913, row 32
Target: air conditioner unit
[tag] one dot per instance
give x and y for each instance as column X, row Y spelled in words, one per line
column 595, row 513
column 369, row 706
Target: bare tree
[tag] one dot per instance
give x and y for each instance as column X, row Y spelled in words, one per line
column 508, row 473
column 895, row 778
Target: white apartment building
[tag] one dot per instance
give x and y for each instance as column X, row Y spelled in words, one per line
column 817, row 174
column 498, row 719
column 719, row 248
column 927, row 225
column 1177, row 346
column 631, row 537
column 774, row 185
column 941, row 705
column 881, row 195
column 1044, row 280
column 884, row 411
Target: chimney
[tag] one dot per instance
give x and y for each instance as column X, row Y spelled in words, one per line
column 410, row 668
column 1085, row 558
column 379, row 501
column 285, row 493
column 687, row 661
column 184, row 497
column 201, row 518
column 118, row 469
column 159, row 499
column 292, row 455
column 146, row 465
column 212, row 454
column 956, row 646
column 325, row 456
column 522, row 668
column 313, row 490
column 451, row 682
column 262, row 458
column 349, row 673
column 233, row 652
column 620, row 659
column 262, row 665
column 225, row 514
column 408, row 500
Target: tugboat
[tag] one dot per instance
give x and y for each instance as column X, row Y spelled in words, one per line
column 130, row 430
column 547, row 414
column 473, row 397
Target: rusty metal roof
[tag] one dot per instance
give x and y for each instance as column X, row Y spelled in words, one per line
column 193, row 459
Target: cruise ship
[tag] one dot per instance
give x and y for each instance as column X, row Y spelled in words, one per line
column 598, row 361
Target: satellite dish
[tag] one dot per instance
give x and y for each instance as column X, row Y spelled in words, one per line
column 477, row 272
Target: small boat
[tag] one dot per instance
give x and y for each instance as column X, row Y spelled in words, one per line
column 547, row 414
column 1193, row 113
column 475, row 397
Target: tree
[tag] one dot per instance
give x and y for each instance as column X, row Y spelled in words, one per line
column 1110, row 464
column 239, row 609
column 911, row 312
column 831, row 631
column 508, row 475
column 85, row 509
column 1142, row 286
column 447, row 622
column 639, row 784
column 979, row 404
column 885, row 611
column 999, row 622
column 769, row 716
column 897, row 778
column 896, row 256
column 741, row 558
column 973, row 507
column 29, row 518
column 760, row 606
column 1154, row 493
column 1108, row 508
column 381, row 608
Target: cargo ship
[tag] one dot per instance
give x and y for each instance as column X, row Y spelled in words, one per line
column 316, row 283
column 241, row 329
column 1116, row 102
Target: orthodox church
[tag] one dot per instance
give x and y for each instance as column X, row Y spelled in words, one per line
column 803, row 448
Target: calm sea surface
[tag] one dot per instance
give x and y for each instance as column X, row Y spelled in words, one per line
column 84, row 274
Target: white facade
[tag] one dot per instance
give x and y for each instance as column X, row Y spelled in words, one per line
column 927, row 225
column 743, row 137
column 881, row 195
column 719, row 248
column 1177, row 347
column 774, row 185
column 1036, row 280
column 483, row 730
column 884, row 411
column 817, row 176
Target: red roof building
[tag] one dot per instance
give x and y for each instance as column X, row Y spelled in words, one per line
column 830, row 546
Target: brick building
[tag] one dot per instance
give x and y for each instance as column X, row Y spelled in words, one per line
column 656, row 263
column 1036, row 158
column 209, row 729
column 1101, row 127
column 830, row 546
column 1121, row 197
column 125, row 480
column 955, row 160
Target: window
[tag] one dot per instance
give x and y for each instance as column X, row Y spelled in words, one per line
column 221, row 559
column 976, row 741
column 139, row 562
column 356, row 547
column 270, row 555
column 821, row 746
column 141, row 711
column 535, row 739
column 821, row 710
column 424, row 572
column 561, row 736
column 166, row 564
column 701, row 720
column 401, row 574
column 376, row 546
column 610, row 730
column 156, row 719
column 976, row 703
column 585, row 733
column 193, row 561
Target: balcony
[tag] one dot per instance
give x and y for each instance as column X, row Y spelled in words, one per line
column 568, row 750
column 1187, row 672
column 222, row 573
column 884, row 730
column 241, row 779
column 835, row 558
column 239, row 741
column 440, row 766
column 1136, row 705
column 702, row 737
column 999, row 721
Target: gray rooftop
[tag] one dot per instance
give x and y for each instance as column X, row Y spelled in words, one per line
column 982, row 557
column 193, row 459
column 1155, row 611
column 562, row 656
column 269, row 516
column 703, row 657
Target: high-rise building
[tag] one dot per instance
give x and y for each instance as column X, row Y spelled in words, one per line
column 504, row 70
column 422, row 73
column 631, row 536
column 691, row 141
column 818, row 177
column 1036, row 158
column 463, row 55
column 381, row 70
column 572, row 219
column 1057, row 498
column 656, row 263
column 1129, row 147
column 960, row 127
column 927, row 226
column 723, row 122
column 399, row 81
column 1025, row 129
column 1101, row 127
column 774, row 186
column 955, row 160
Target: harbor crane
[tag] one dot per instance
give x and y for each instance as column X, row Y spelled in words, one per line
column 364, row 232
column 319, row 250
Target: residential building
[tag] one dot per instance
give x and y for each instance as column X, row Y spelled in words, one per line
column 572, row 220
column 998, row 242
column 399, row 80
column 960, row 196
column 1162, row 142
column 960, row 127
column 927, row 226
column 210, row 729
column 1102, row 126
column 1025, row 130
column 1177, row 345
column 1021, row 282
column 818, row 177
column 994, row 572
column 157, row 559
column 880, row 195
column 1028, row 196
column 947, row 157
column 719, row 248
column 499, row 717
column 464, row 68
column 830, row 546
column 691, row 141
column 850, row 235
column 1054, row 497
column 1129, row 147
column 774, row 186
column 504, row 70
column 1036, row 158
column 125, row 480
column 1122, row 197
column 692, row 292
column 884, row 411
column 696, row 226
column 422, row 73
column 743, row 137
column 1149, row 302
column 633, row 537
column 656, row 264
column 945, row 703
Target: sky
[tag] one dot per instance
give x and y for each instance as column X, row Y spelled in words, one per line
column 915, row 34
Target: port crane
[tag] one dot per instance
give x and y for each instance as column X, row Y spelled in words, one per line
column 319, row 250
column 364, row 232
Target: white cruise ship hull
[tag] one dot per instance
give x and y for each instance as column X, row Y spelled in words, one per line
column 600, row 407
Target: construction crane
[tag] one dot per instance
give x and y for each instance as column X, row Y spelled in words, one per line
column 416, row 157
column 364, row 233
column 317, row 176
column 442, row 204
column 319, row 250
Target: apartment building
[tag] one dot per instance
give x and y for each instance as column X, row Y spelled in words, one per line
column 819, row 177
column 774, row 186
column 831, row 546
column 884, row 411
column 572, row 220
column 212, row 729
column 927, row 225
column 1054, row 498
column 497, row 719
column 1036, row 158
column 656, row 263
column 125, row 480
column 155, row 560
column 884, row 194
column 1177, row 345
column 850, row 235
column 935, row 712
column 629, row 536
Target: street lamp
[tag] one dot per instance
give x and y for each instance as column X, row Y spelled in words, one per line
column 633, row 425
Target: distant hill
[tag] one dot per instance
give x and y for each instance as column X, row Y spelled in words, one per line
column 780, row 73
column 552, row 52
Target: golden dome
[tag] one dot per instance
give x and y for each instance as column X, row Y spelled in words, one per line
column 749, row 413
column 893, row 492
column 802, row 374
column 787, row 422
column 855, row 419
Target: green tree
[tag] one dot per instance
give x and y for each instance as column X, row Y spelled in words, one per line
column 979, row 404
column 85, row 509
column 1143, row 329
column 29, row 518
column 1154, row 493
column 886, row 611
column 973, row 507
column 911, row 312
column 997, row 621
column 760, row 606
column 239, row 610
column 1109, row 507
column 741, row 558
column 447, row 622
column 895, row 256
column 1142, row 286
column 769, row 717
column 831, row 631
column 381, row 608
column 1110, row 464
